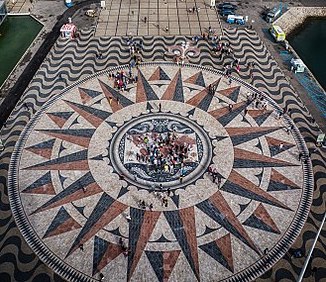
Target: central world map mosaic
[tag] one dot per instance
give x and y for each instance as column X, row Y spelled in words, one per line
column 161, row 148
column 163, row 177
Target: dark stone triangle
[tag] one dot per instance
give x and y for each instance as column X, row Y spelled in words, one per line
column 247, row 159
column 145, row 87
column 63, row 115
column 123, row 191
column 163, row 75
column 260, row 119
column 197, row 79
column 277, row 146
column 243, row 207
column 65, row 162
column 72, row 193
column 205, row 103
column 135, row 224
column 141, row 226
column 260, row 176
column 162, row 239
column 236, row 189
column 100, row 248
column 75, row 121
column 97, row 158
column 241, row 135
column 178, row 92
column 221, row 218
column 156, row 260
column 200, row 79
column 159, row 74
column 115, row 94
column 209, row 230
column 104, row 252
column 62, row 179
column 212, row 250
column 278, row 186
column 276, row 149
column 104, row 206
column 89, row 92
column 232, row 93
column 116, row 232
column 235, row 94
column 178, row 229
column 219, row 138
column 79, row 209
column 149, row 107
column 175, row 198
column 62, row 148
column 174, row 91
column 259, row 115
column 279, row 182
column 219, row 210
column 90, row 110
column 230, row 115
column 83, row 132
column 43, row 185
column 259, row 146
column 191, row 112
column 77, row 136
column 192, row 89
column 61, row 220
column 255, row 222
column 60, row 117
column 44, row 145
column 112, row 124
column 160, row 84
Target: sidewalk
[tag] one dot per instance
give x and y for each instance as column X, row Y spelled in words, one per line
column 20, row 6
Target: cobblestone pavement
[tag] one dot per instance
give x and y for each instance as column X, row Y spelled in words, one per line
column 73, row 61
column 81, row 178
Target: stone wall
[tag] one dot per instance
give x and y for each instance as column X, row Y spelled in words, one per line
column 295, row 16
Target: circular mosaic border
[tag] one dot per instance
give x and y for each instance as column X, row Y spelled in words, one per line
column 202, row 165
column 66, row 270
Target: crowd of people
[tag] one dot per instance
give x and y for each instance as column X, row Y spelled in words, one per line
column 162, row 152
column 122, row 79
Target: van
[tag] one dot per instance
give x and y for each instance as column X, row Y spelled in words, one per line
column 277, row 33
column 235, row 19
column 272, row 14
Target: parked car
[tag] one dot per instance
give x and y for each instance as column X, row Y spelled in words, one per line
column 270, row 15
column 227, row 5
column 225, row 13
column 234, row 19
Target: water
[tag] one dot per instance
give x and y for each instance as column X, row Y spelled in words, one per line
column 309, row 42
column 16, row 35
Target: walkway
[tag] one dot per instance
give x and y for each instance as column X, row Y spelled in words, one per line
column 155, row 17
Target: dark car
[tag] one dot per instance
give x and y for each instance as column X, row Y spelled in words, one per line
column 226, row 12
column 227, row 6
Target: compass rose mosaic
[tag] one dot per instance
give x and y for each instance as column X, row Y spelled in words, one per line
column 183, row 176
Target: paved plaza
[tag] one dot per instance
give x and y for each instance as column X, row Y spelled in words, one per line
column 152, row 17
column 185, row 175
column 81, row 184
